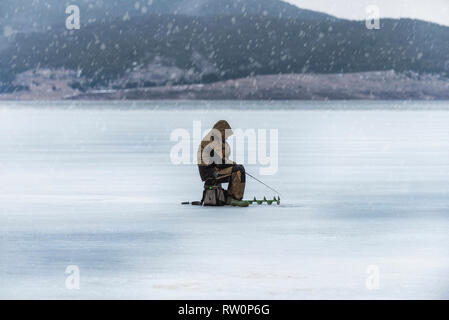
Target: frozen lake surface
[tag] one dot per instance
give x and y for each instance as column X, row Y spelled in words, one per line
column 92, row 185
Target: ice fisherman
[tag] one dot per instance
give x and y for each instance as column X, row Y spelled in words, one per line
column 215, row 166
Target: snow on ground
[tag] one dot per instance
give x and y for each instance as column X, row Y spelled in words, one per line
column 93, row 186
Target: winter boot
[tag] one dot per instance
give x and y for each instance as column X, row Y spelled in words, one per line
column 236, row 203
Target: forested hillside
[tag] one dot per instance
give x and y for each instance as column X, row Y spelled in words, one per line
column 150, row 50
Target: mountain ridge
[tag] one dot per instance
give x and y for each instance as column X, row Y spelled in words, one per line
column 40, row 15
column 167, row 49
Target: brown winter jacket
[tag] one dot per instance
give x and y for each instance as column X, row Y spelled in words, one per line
column 213, row 152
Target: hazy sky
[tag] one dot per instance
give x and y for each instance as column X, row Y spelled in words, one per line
column 430, row 10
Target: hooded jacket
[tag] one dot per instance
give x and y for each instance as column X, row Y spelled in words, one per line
column 214, row 150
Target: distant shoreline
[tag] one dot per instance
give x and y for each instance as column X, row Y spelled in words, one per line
column 227, row 105
column 380, row 85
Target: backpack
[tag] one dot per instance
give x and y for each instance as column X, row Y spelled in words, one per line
column 214, row 196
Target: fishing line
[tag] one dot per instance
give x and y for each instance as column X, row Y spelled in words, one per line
column 263, row 183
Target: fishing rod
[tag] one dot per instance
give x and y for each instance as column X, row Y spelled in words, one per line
column 263, row 183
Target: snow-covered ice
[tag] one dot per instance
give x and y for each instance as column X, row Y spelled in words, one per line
column 92, row 185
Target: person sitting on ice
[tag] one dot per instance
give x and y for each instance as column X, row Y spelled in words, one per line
column 215, row 167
